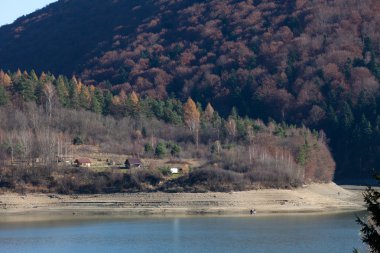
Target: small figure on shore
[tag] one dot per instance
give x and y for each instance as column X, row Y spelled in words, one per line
column 253, row 211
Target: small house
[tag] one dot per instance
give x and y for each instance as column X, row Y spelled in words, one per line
column 174, row 170
column 83, row 162
column 133, row 163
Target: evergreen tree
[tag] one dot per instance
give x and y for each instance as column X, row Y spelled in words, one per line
column 62, row 91
column 160, row 150
column 73, row 93
column 347, row 117
column 39, row 92
column 84, row 97
column 370, row 228
column 95, row 105
column 26, row 88
column 33, row 76
column 3, row 96
column 107, row 102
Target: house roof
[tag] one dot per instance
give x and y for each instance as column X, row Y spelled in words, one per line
column 83, row 160
column 134, row 161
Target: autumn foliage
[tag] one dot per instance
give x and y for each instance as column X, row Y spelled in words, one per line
column 313, row 63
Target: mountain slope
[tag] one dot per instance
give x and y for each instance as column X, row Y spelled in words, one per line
column 63, row 36
column 281, row 52
column 304, row 62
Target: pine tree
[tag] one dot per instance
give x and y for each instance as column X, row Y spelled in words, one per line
column 95, row 104
column 107, row 102
column 33, row 76
column 73, row 93
column 3, row 96
column 370, row 228
column 26, row 88
column 62, row 91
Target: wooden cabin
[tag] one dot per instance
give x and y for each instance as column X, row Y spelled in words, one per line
column 133, row 163
column 83, row 162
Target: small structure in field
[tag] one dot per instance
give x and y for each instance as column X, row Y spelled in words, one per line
column 175, row 170
column 83, row 162
column 133, row 163
column 183, row 167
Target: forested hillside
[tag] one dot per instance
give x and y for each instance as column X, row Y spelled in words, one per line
column 44, row 117
column 302, row 62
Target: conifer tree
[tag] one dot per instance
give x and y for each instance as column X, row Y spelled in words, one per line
column 62, row 91
column 96, row 100
column 25, row 88
column 5, row 79
column 370, row 228
column 95, row 105
column 3, row 96
column 107, row 102
column 84, row 97
column 33, row 76
column 73, row 93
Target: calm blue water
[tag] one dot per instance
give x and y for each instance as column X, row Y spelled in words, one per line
column 327, row 233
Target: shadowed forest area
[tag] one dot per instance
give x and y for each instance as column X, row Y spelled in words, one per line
column 312, row 63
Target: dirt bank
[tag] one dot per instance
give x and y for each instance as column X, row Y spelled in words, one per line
column 314, row 198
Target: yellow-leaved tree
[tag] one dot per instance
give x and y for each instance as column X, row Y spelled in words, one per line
column 192, row 116
column 134, row 98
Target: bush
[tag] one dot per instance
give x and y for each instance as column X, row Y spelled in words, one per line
column 143, row 177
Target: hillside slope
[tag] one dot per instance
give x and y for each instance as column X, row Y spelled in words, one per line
column 304, row 62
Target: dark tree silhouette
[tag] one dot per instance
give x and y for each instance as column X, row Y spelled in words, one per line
column 371, row 226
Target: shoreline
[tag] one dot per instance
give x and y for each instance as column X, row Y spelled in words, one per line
column 313, row 199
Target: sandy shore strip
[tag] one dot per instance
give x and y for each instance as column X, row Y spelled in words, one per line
column 314, row 198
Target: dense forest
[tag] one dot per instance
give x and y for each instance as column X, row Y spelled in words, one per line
column 312, row 63
column 43, row 116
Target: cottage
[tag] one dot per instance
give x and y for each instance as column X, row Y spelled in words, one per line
column 174, row 170
column 133, row 163
column 83, row 162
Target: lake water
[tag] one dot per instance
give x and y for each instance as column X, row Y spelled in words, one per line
column 291, row 233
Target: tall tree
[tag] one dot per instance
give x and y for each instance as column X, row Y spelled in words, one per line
column 3, row 95
column 49, row 93
column 192, row 118
column 5, row 79
column 62, row 91
column 371, row 226
column 209, row 112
